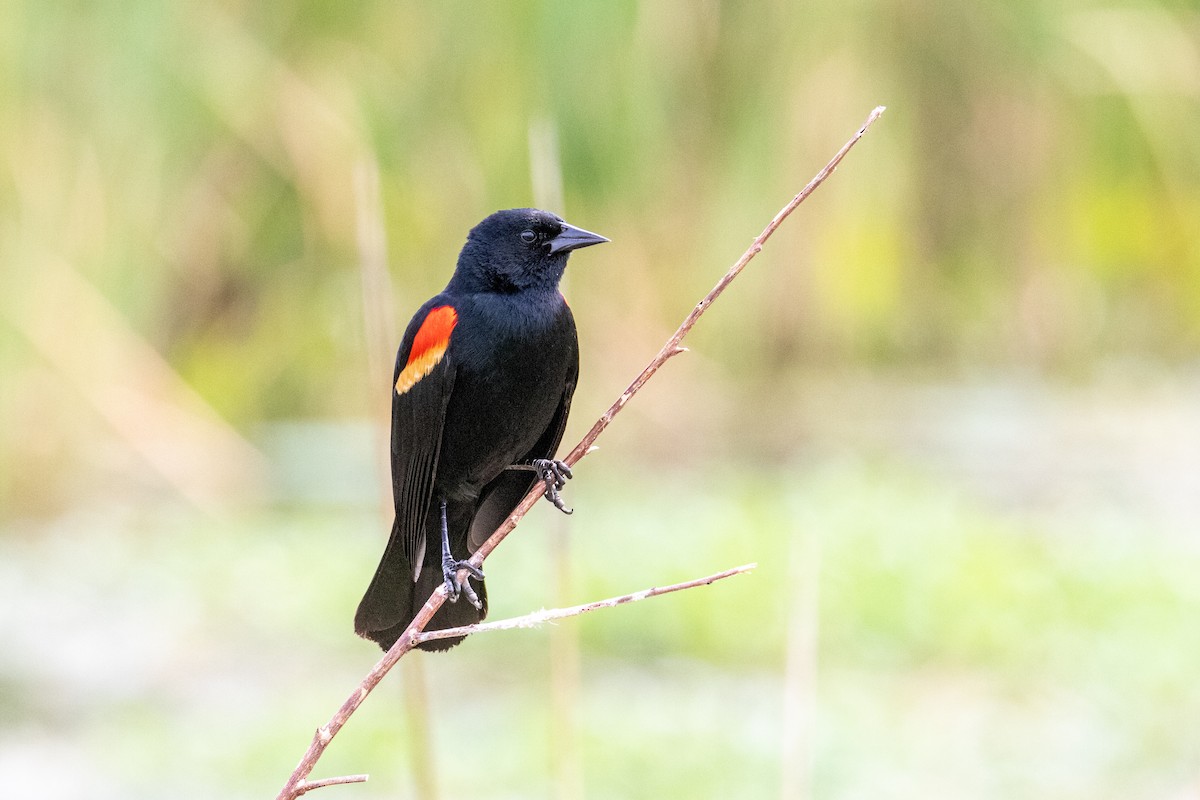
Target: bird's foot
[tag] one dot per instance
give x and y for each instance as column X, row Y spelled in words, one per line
column 459, row 583
column 555, row 473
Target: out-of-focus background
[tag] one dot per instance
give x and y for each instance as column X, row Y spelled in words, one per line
column 953, row 409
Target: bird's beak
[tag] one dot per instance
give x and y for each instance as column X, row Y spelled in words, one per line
column 573, row 238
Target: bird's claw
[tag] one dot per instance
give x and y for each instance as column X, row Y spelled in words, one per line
column 457, row 583
column 555, row 473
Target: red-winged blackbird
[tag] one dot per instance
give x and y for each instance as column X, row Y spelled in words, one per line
column 482, row 387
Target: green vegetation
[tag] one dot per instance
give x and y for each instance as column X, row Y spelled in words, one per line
column 966, row 368
column 961, row 651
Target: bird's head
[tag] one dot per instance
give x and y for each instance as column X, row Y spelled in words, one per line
column 518, row 249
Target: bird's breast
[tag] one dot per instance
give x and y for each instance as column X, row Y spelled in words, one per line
column 511, row 373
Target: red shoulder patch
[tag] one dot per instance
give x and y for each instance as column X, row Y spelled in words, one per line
column 428, row 347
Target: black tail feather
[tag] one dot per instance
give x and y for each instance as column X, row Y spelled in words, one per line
column 393, row 599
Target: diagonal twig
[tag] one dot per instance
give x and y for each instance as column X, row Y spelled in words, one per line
column 673, row 347
column 308, row 786
column 549, row 615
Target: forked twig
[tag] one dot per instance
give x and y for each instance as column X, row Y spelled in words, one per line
column 308, row 786
column 296, row 784
column 549, row 615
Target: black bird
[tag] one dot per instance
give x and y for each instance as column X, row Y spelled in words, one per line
column 482, row 387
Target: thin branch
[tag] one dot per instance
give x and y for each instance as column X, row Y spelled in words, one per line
column 672, row 348
column 306, row 786
column 549, row 615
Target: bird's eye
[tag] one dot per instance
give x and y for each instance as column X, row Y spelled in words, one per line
column 528, row 237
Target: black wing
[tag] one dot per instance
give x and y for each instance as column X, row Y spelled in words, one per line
column 419, row 403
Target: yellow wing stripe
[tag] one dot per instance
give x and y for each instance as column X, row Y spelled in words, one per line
column 419, row 367
column 428, row 347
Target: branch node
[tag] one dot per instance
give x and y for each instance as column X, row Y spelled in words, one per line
column 308, row 786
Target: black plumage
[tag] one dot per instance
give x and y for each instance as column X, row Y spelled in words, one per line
column 482, row 388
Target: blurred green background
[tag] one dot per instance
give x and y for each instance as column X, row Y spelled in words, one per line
column 953, row 409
